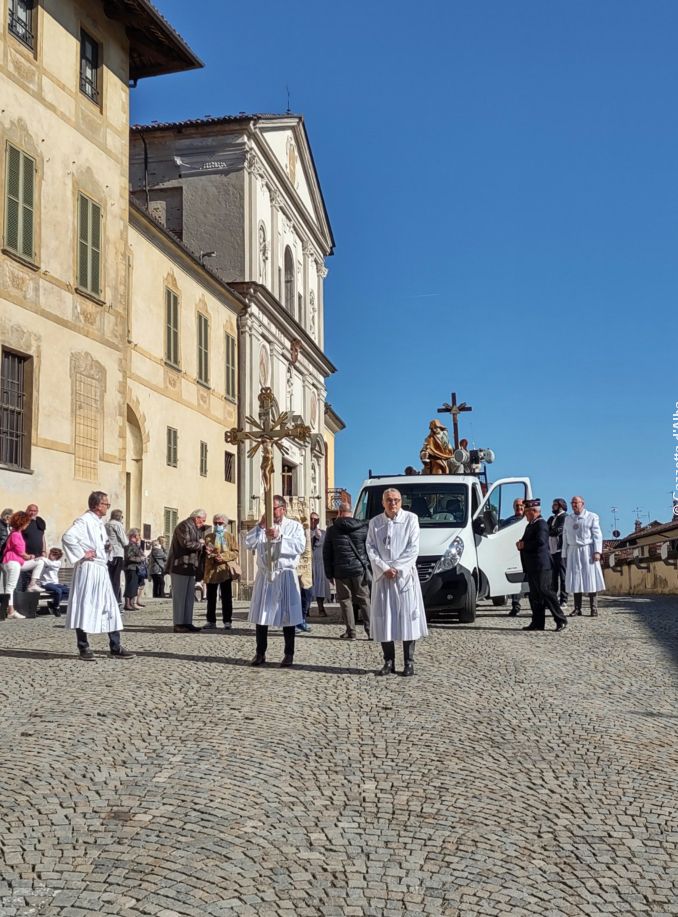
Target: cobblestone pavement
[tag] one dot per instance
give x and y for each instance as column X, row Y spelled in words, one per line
column 517, row 773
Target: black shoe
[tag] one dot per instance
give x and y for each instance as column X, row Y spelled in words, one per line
column 227, row 625
column 192, row 629
column 388, row 667
column 87, row 655
column 513, row 614
column 347, row 635
column 122, row 653
column 576, row 613
column 211, row 625
column 367, row 632
column 532, row 627
column 287, row 661
column 258, row 660
column 180, row 629
column 561, row 625
column 409, row 669
column 56, row 612
column 594, row 614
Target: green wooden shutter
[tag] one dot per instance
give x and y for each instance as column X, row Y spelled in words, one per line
column 28, row 182
column 95, row 248
column 83, row 241
column 13, row 207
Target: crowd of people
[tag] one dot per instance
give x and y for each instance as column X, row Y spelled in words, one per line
column 372, row 567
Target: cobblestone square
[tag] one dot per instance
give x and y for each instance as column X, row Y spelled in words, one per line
column 517, row 773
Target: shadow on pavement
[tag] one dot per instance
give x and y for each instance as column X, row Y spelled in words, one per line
column 661, row 624
column 240, row 661
column 38, row 654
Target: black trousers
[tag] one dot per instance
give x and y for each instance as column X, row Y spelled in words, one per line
column 388, row 649
column 158, row 585
column 262, row 639
column 113, row 640
column 115, row 572
column 543, row 596
column 226, row 591
column 558, row 576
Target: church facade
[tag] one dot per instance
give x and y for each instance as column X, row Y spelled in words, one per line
column 243, row 192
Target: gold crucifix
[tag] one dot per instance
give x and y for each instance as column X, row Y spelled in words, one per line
column 265, row 434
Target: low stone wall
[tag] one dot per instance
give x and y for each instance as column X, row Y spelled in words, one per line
column 652, row 577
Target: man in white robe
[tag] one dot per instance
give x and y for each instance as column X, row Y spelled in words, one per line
column 397, row 607
column 276, row 599
column 321, row 585
column 92, row 605
column 581, row 552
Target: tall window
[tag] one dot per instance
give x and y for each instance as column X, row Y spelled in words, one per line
column 203, row 459
column 287, row 479
column 230, row 366
column 19, row 204
column 172, row 447
column 203, row 349
column 87, row 425
column 90, row 77
column 229, row 467
column 171, row 327
column 15, row 406
column 21, row 14
column 170, row 522
column 89, row 245
column 289, row 280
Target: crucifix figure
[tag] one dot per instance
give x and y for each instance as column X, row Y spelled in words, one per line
column 267, row 434
column 455, row 410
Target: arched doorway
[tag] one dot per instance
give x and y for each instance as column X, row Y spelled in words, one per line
column 134, row 470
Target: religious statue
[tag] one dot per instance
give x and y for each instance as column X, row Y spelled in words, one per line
column 437, row 455
column 263, row 254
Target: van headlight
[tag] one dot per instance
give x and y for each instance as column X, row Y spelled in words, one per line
column 451, row 557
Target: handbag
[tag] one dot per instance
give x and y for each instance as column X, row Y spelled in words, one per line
column 234, row 569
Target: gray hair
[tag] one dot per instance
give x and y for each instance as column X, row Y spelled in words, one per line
column 133, row 532
column 391, row 490
column 220, row 516
column 116, row 515
column 198, row 514
column 6, row 513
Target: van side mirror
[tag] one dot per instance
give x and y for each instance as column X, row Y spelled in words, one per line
column 479, row 526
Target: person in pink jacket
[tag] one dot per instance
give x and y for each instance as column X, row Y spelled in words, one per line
column 15, row 559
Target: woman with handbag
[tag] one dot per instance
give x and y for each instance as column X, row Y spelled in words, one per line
column 221, row 568
column 134, row 559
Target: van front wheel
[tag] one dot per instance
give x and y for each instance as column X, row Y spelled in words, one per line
column 467, row 613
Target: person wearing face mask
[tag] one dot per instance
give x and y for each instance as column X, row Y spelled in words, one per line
column 221, row 563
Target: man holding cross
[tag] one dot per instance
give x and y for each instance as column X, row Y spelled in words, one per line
column 276, row 599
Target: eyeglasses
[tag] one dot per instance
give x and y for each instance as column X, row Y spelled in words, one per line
column 393, row 500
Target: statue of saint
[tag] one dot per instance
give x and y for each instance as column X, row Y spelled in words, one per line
column 437, row 453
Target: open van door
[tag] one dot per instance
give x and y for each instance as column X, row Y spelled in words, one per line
column 498, row 556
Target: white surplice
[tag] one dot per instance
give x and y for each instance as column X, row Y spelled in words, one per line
column 92, row 605
column 397, row 608
column 276, row 599
column 582, row 538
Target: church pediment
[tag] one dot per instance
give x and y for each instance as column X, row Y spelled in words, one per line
column 288, row 144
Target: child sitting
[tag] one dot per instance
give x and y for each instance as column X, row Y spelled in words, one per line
column 50, row 581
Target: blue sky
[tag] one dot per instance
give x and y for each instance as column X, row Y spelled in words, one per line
column 502, row 181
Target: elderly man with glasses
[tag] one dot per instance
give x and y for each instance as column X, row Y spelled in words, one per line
column 397, row 607
column 92, row 605
column 582, row 550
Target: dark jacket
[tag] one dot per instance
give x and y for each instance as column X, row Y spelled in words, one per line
column 556, row 525
column 134, row 557
column 344, row 553
column 186, row 555
column 158, row 560
column 535, row 555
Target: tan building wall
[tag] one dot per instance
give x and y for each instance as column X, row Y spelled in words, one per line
column 73, row 341
column 160, row 396
column 655, row 577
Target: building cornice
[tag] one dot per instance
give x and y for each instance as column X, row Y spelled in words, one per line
column 332, row 420
column 256, row 294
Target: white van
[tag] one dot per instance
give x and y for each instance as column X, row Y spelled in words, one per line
column 466, row 550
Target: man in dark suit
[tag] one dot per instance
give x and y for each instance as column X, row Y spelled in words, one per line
column 536, row 560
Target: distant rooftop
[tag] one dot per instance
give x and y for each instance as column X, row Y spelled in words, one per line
column 211, row 120
column 155, row 48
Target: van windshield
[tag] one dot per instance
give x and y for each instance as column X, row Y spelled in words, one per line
column 436, row 505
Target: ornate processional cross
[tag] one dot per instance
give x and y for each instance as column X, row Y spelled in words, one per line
column 267, row 434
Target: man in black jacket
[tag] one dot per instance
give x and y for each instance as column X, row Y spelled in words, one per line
column 536, row 560
column 346, row 562
column 556, row 523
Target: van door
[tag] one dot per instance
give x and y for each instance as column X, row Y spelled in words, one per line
column 498, row 556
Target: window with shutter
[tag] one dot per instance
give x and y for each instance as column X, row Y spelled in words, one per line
column 19, row 205
column 229, row 467
column 203, row 459
column 172, row 447
column 89, row 245
column 203, row 349
column 171, row 327
column 170, row 520
column 230, row 366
